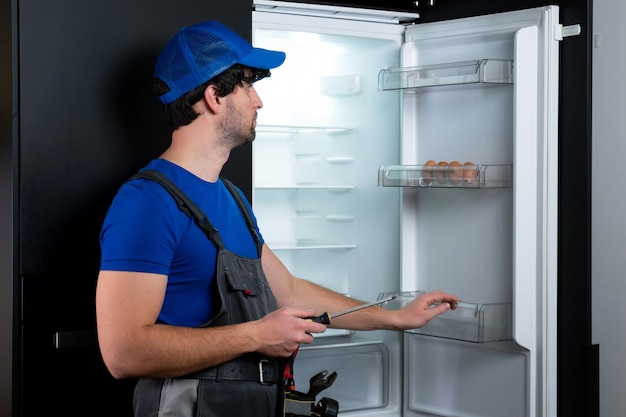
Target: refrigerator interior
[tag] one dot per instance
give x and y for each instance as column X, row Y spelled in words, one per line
column 323, row 132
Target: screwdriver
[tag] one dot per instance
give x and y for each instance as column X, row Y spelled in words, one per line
column 326, row 319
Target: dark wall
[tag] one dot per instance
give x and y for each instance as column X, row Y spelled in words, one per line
column 6, row 211
column 85, row 119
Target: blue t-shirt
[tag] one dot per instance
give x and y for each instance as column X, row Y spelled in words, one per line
column 145, row 231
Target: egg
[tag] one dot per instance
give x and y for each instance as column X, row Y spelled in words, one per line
column 440, row 172
column 469, row 173
column 427, row 172
column 454, row 173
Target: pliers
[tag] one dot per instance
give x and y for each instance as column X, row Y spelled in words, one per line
column 320, row 382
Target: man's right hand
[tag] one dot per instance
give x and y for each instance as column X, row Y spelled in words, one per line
column 281, row 332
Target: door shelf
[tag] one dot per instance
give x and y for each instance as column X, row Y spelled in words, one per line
column 483, row 71
column 462, row 176
column 470, row 322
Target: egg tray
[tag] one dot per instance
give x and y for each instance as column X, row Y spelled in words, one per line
column 446, row 176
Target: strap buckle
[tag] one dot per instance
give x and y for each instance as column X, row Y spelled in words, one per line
column 261, row 362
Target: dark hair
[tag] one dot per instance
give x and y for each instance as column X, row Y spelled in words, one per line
column 180, row 112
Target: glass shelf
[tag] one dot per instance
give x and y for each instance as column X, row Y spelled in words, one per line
column 301, row 129
column 449, row 176
column 484, row 71
column 308, row 245
column 306, row 187
column 469, row 322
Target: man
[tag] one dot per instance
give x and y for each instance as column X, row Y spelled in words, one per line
column 203, row 312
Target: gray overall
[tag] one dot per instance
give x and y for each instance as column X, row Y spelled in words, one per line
column 249, row 386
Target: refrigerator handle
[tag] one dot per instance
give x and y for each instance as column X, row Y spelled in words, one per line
column 561, row 31
column 525, row 183
column 62, row 340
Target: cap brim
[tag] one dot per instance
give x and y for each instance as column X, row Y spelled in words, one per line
column 263, row 59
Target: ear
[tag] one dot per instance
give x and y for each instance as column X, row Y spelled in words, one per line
column 214, row 102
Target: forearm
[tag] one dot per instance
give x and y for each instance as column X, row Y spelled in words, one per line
column 320, row 299
column 416, row 314
column 167, row 351
column 298, row 292
column 158, row 350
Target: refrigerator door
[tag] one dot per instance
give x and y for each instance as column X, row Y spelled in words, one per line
column 489, row 239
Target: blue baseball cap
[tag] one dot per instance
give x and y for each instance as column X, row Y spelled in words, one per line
column 200, row 52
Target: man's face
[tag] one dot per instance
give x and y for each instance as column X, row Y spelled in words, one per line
column 239, row 123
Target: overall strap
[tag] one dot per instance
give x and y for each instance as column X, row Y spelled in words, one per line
column 246, row 213
column 184, row 204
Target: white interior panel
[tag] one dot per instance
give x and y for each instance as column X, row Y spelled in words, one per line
column 322, row 134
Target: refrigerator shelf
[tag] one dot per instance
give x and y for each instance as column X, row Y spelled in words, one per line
column 483, row 71
column 294, row 129
column 305, row 187
column 461, row 176
column 291, row 246
column 470, row 322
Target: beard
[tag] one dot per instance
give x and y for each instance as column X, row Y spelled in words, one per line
column 235, row 130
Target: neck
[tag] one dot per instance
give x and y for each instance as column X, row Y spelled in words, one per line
column 197, row 152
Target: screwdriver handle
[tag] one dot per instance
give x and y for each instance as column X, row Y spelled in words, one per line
column 324, row 319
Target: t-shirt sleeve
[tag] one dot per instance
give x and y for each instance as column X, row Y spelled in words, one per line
column 139, row 233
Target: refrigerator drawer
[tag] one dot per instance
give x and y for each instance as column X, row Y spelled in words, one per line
column 358, row 363
column 450, row 378
column 469, row 322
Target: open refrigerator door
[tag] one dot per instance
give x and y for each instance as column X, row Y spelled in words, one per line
column 479, row 211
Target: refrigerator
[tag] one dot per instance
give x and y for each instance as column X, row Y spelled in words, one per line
column 395, row 157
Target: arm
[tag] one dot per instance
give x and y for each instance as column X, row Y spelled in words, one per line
column 133, row 345
column 299, row 293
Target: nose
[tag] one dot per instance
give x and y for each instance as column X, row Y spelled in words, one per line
column 257, row 99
